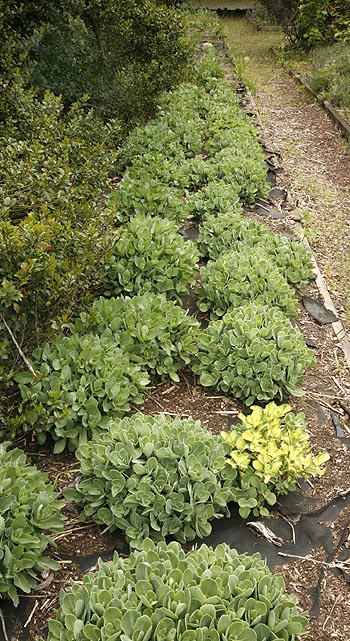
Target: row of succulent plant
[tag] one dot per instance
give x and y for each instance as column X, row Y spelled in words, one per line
column 71, row 395
column 154, row 476
column 240, row 276
column 157, row 476
column 189, row 163
column 200, row 136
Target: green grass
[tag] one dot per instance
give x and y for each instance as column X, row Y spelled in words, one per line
column 241, row 35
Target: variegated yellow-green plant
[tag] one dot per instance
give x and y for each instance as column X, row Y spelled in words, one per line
column 270, row 450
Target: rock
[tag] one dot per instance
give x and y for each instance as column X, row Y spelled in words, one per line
column 318, row 311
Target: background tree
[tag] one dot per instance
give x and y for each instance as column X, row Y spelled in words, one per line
column 57, row 155
column 309, row 23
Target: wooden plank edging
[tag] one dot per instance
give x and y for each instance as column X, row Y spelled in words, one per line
column 340, row 333
column 327, row 106
column 343, row 340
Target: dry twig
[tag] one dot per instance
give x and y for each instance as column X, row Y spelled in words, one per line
column 14, row 340
column 331, row 612
column 3, row 625
column 287, row 520
column 340, row 565
column 31, row 614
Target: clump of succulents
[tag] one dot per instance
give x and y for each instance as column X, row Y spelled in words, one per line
column 253, row 353
column 154, row 476
column 79, row 383
column 213, row 201
column 241, row 276
column 227, row 231
column 164, row 593
column 29, row 511
column 150, row 256
column 155, row 332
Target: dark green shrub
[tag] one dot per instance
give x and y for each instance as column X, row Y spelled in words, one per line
column 155, row 332
column 261, row 17
column 81, row 381
column 124, row 54
column 67, row 61
column 59, row 159
column 322, row 22
column 253, row 353
column 154, row 476
column 53, row 168
column 164, row 592
column 241, row 276
column 309, row 23
column 28, row 509
column 330, row 72
column 150, row 256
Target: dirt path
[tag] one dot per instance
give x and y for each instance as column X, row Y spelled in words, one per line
column 316, row 159
column 316, row 163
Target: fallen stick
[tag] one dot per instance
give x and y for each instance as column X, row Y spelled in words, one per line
column 14, row 340
column 3, row 625
column 340, row 565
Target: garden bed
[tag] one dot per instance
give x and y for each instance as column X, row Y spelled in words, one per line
column 321, row 546
column 312, row 524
